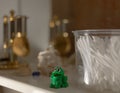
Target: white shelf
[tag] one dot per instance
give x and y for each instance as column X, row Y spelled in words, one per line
column 30, row 84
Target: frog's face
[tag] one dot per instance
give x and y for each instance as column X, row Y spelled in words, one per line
column 58, row 71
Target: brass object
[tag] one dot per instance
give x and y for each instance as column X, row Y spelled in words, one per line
column 62, row 44
column 61, row 39
column 9, row 33
column 9, row 65
column 12, row 56
column 5, row 35
column 15, row 42
column 20, row 45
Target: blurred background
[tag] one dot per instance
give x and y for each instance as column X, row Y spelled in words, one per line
column 89, row 14
column 39, row 15
column 82, row 14
column 45, row 16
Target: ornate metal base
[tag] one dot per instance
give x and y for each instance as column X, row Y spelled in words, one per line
column 9, row 65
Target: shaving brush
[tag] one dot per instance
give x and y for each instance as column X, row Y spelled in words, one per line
column 20, row 45
column 63, row 44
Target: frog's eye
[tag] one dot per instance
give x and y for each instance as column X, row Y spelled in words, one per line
column 58, row 70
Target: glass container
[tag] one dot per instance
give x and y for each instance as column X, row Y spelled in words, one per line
column 99, row 51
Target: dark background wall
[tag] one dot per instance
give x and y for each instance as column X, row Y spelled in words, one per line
column 88, row 14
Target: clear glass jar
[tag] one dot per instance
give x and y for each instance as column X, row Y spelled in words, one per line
column 99, row 50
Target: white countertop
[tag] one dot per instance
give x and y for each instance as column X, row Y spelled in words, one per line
column 30, row 84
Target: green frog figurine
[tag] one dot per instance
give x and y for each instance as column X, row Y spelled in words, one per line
column 58, row 79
